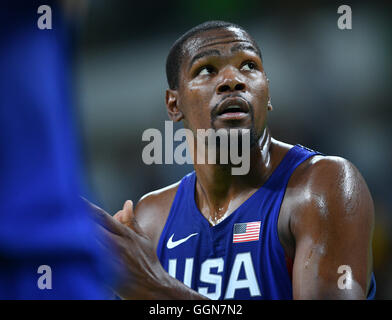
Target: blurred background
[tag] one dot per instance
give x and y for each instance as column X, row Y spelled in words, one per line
column 330, row 89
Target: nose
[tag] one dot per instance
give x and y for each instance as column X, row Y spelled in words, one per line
column 230, row 82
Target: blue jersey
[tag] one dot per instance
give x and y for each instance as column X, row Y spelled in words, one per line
column 239, row 258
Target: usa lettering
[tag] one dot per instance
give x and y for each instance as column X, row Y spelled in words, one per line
column 211, row 272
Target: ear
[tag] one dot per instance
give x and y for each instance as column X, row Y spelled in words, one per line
column 175, row 114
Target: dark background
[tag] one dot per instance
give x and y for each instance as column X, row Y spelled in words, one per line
column 330, row 90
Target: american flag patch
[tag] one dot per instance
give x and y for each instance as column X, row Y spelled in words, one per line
column 244, row 232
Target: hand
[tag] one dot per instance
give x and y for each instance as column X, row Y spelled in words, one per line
column 141, row 275
column 126, row 215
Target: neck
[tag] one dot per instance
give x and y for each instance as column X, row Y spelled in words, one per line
column 218, row 192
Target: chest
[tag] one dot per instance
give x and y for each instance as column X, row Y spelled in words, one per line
column 227, row 260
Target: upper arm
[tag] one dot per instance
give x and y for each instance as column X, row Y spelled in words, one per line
column 153, row 209
column 332, row 226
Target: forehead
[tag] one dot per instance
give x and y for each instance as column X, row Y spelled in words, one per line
column 215, row 37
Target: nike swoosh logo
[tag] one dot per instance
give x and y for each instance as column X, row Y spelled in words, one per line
column 172, row 244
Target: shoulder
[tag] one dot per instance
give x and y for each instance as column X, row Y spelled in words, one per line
column 331, row 192
column 153, row 209
column 328, row 176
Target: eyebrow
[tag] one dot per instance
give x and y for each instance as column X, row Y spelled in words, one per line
column 212, row 52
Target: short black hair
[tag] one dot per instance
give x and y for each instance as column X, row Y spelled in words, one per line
column 176, row 53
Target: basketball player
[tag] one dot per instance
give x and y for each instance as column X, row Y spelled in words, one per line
column 297, row 226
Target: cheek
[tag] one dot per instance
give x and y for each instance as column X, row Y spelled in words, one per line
column 195, row 101
column 259, row 87
column 260, row 94
column 195, row 93
column 198, row 92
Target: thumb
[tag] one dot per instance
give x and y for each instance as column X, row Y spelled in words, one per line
column 125, row 215
column 128, row 206
column 129, row 216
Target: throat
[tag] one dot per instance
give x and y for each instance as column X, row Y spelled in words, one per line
column 218, row 193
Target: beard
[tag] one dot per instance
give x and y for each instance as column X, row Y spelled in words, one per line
column 254, row 135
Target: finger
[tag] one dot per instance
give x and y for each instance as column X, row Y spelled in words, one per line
column 107, row 237
column 117, row 244
column 106, row 240
column 128, row 210
column 103, row 218
column 114, row 242
column 130, row 218
column 114, row 230
column 128, row 205
column 119, row 215
column 97, row 213
column 123, row 216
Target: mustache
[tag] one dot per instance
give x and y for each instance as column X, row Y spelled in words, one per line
column 214, row 111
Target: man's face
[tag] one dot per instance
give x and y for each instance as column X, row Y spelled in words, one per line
column 222, row 83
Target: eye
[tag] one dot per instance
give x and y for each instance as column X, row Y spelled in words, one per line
column 205, row 71
column 248, row 66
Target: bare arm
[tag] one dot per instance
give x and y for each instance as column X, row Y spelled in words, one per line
column 332, row 227
column 141, row 276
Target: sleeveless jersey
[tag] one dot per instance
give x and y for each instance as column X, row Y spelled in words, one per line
column 239, row 258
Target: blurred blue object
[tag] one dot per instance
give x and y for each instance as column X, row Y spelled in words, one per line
column 42, row 220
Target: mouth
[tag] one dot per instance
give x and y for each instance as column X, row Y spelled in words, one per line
column 233, row 109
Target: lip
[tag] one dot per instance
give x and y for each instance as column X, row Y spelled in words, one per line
column 235, row 115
